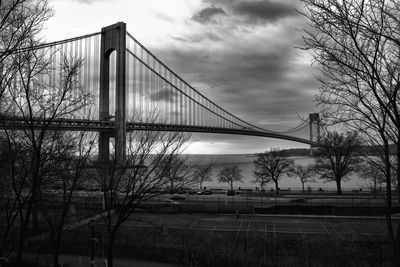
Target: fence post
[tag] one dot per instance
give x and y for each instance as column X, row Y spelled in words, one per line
column 352, row 205
column 218, row 209
column 291, row 205
column 369, row 207
column 307, row 206
column 203, row 204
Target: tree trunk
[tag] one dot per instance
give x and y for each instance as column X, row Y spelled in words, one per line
column 110, row 249
column 231, row 186
column 302, row 185
column 389, row 202
column 22, row 232
column 396, row 249
column 56, row 255
column 35, row 216
column 398, row 170
column 58, row 237
column 339, row 186
column 276, row 187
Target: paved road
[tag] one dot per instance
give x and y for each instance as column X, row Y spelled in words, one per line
column 83, row 261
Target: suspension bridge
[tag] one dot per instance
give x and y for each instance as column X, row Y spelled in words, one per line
column 134, row 90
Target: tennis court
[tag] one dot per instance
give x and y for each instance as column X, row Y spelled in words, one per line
column 260, row 226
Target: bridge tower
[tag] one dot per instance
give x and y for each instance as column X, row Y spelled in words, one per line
column 113, row 38
column 315, row 130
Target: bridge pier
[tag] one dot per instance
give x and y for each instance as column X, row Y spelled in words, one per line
column 113, row 38
column 314, row 121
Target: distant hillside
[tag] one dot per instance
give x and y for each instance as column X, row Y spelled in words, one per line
column 297, row 152
column 292, row 152
column 364, row 150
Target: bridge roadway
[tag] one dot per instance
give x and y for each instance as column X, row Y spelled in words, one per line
column 21, row 123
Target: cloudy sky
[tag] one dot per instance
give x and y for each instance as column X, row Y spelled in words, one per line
column 240, row 53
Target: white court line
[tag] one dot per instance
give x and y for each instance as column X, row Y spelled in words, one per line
column 296, row 232
column 351, row 229
column 186, row 228
column 237, row 234
column 355, row 230
column 265, row 229
column 334, row 230
column 239, row 230
column 194, row 221
column 326, row 230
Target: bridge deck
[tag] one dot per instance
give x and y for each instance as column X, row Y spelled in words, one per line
column 20, row 123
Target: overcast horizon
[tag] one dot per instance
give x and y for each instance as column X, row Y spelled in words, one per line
column 240, row 54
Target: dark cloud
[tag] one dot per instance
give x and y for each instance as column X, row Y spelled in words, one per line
column 165, row 94
column 255, row 86
column 196, row 38
column 268, row 11
column 91, row 1
column 208, row 15
column 248, row 64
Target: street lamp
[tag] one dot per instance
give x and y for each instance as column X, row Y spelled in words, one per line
column 92, row 241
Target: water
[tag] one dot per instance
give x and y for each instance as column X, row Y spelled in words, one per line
column 245, row 162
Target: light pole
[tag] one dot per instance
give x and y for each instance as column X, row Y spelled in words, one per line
column 92, row 241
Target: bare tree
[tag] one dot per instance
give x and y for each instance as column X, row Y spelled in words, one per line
column 21, row 21
column 35, row 99
column 230, row 175
column 180, row 174
column 71, row 154
column 374, row 173
column 304, row 173
column 356, row 44
column 202, row 173
column 13, row 195
column 337, row 157
column 127, row 185
column 269, row 166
